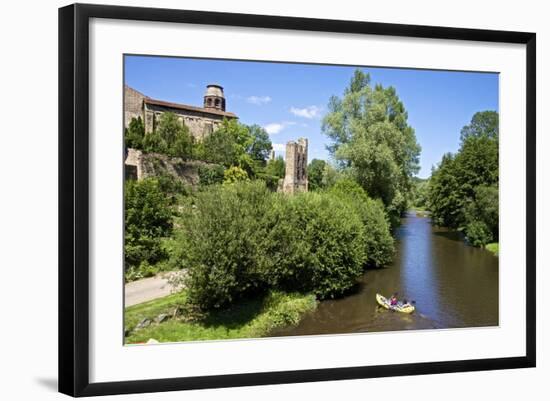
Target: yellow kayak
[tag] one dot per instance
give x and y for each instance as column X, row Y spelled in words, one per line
column 385, row 303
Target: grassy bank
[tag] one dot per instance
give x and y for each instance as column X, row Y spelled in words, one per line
column 493, row 247
column 246, row 319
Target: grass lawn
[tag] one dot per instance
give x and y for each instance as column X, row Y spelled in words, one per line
column 493, row 247
column 246, row 319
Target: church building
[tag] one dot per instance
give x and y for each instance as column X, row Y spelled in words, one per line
column 201, row 121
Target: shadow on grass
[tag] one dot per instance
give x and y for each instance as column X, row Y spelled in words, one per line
column 236, row 316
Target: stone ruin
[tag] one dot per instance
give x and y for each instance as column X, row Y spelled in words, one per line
column 295, row 167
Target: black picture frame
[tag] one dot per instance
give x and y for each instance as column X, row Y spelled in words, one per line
column 74, row 198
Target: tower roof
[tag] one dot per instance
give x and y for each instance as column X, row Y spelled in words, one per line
column 214, row 90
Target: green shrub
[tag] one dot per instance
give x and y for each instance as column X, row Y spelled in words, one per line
column 478, row 234
column 239, row 239
column 276, row 167
column 379, row 246
column 271, row 181
column 134, row 134
column 315, row 171
column 211, row 174
column 234, row 174
column 493, row 248
column 314, row 244
column 147, row 219
column 220, row 240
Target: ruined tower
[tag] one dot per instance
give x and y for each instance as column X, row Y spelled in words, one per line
column 296, row 167
column 214, row 97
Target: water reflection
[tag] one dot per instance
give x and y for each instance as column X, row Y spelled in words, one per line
column 453, row 284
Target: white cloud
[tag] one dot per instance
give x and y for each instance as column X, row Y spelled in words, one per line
column 275, row 128
column 258, row 100
column 279, row 147
column 306, row 112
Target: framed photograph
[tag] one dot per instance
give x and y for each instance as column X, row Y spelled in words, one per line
column 252, row 199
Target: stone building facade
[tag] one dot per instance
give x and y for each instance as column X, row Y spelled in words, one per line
column 296, row 167
column 201, row 121
column 140, row 165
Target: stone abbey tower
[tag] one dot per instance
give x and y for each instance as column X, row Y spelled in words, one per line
column 296, row 167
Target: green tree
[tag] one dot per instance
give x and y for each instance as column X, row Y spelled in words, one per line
column 276, row 167
column 482, row 216
column 261, row 144
column 315, row 171
column 420, row 197
column 211, row 174
column 463, row 189
column 378, row 240
column 134, row 134
column 229, row 144
column 147, row 218
column 218, row 148
column 446, row 200
column 484, row 123
column 371, row 138
column 171, row 137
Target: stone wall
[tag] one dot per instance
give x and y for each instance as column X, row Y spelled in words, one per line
column 296, row 167
column 133, row 104
column 141, row 165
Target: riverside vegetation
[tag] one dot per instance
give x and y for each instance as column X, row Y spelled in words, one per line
column 462, row 192
column 255, row 259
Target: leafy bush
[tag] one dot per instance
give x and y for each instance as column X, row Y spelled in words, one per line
column 314, row 244
column 234, row 174
column 134, row 134
column 478, row 234
column 482, row 216
column 276, row 167
column 171, row 186
column 220, row 241
column 211, row 174
column 171, row 137
column 239, row 239
column 271, row 181
column 379, row 246
column 147, row 220
column 315, row 171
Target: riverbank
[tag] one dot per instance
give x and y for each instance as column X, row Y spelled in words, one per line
column 432, row 266
column 163, row 321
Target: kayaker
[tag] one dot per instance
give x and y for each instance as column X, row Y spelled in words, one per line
column 393, row 300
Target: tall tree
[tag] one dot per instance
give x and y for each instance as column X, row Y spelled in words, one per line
column 372, row 139
column 171, row 137
column 315, row 171
column 133, row 135
column 261, row 144
column 463, row 189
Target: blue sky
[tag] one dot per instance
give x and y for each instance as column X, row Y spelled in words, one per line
column 289, row 100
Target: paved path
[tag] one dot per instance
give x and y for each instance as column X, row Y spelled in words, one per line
column 147, row 289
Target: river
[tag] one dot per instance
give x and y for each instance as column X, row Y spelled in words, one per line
column 453, row 285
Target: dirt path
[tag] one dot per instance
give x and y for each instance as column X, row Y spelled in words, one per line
column 146, row 289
